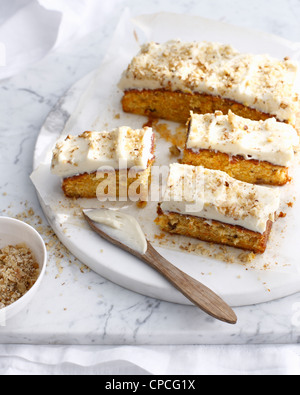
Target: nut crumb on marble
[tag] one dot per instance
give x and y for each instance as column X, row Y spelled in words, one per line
column 57, row 252
column 217, row 69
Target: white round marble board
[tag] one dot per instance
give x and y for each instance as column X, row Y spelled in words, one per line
column 238, row 284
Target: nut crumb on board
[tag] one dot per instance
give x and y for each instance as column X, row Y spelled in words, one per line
column 159, row 237
column 219, row 252
column 247, row 257
column 57, row 252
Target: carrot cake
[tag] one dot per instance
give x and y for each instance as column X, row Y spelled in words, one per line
column 258, row 152
column 171, row 79
column 212, row 206
column 106, row 164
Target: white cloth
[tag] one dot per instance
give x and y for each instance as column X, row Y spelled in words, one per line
column 150, row 360
column 29, row 29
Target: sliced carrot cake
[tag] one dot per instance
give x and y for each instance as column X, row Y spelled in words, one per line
column 212, row 206
column 258, row 152
column 106, row 164
column 171, row 79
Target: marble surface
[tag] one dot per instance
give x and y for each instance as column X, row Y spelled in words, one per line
column 74, row 305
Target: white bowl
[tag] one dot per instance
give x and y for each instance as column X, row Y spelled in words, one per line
column 12, row 232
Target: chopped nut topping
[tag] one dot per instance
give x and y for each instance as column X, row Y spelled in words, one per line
column 269, row 141
column 19, row 270
column 91, row 150
column 212, row 194
column 217, row 69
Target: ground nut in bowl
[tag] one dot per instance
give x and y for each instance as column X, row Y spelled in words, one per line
column 16, row 236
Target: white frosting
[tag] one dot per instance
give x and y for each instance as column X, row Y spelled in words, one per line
column 256, row 81
column 121, row 227
column 121, row 148
column 214, row 195
column 269, row 140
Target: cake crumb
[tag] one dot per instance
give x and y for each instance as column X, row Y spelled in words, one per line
column 282, row 215
column 247, row 257
column 177, row 139
column 159, row 237
column 174, row 151
column 141, row 204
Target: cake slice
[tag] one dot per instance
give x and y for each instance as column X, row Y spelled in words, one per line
column 171, row 79
column 212, row 206
column 115, row 164
column 258, row 152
